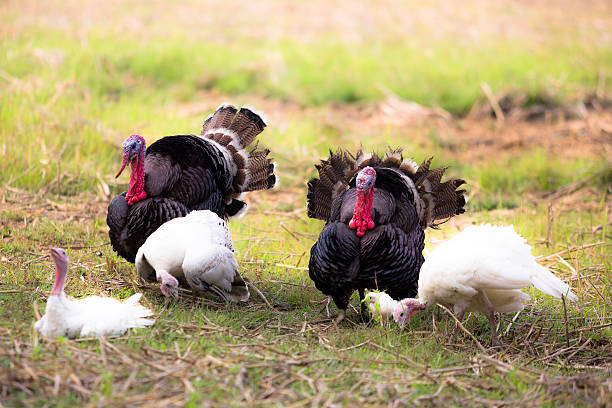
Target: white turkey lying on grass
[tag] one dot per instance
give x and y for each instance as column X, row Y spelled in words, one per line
column 196, row 250
column 481, row 269
column 92, row 316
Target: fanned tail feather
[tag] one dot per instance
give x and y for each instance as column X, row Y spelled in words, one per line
column 545, row 281
column 334, row 174
column 234, row 130
column 221, row 118
column 437, row 200
column 261, row 171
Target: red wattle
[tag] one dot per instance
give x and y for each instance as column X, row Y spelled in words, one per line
column 362, row 214
column 136, row 188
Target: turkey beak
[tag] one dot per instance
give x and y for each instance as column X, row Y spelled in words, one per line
column 123, row 164
column 415, row 310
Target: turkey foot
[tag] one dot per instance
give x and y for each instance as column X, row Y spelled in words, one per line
column 326, row 307
column 340, row 317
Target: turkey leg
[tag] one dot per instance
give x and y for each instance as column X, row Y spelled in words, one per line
column 489, row 312
column 365, row 315
column 459, row 314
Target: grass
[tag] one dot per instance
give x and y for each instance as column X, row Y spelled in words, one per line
column 70, row 94
column 233, row 354
column 80, row 98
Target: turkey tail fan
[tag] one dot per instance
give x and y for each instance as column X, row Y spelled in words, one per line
column 234, row 130
column 248, row 123
column 220, row 119
column 260, row 169
column 229, row 124
column 436, row 200
column 441, row 201
column 334, row 174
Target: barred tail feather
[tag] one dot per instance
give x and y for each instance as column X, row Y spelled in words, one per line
column 233, row 130
column 334, row 174
column 435, row 200
column 247, row 124
column 441, row 200
column 221, row 118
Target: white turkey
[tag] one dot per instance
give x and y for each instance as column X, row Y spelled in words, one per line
column 481, row 269
column 195, row 250
column 376, row 211
column 178, row 174
column 381, row 305
column 92, row 316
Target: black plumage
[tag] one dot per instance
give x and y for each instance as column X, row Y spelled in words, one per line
column 187, row 172
column 406, row 200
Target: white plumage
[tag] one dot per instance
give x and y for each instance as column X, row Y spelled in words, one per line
column 481, row 269
column 196, row 250
column 93, row 316
column 381, row 304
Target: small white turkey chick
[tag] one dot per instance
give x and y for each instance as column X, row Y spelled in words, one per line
column 92, row 316
column 481, row 269
column 381, row 304
column 196, row 250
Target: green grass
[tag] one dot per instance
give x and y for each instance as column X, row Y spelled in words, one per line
column 81, row 99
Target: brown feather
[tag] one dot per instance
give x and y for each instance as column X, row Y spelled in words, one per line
column 222, row 117
column 247, row 124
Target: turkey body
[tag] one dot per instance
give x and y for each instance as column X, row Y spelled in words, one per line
column 93, row 316
column 183, row 173
column 481, row 269
column 197, row 250
column 388, row 256
column 490, row 260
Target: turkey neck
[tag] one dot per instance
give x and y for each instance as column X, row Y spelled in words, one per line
column 137, row 180
column 60, row 278
column 362, row 214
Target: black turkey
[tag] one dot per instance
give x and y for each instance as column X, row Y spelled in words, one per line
column 376, row 210
column 178, row 174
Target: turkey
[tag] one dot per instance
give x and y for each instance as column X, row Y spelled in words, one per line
column 381, row 305
column 376, row 210
column 178, row 174
column 92, row 316
column 197, row 251
column 481, row 269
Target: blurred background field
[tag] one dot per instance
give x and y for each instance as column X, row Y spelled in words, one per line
column 513, row 96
